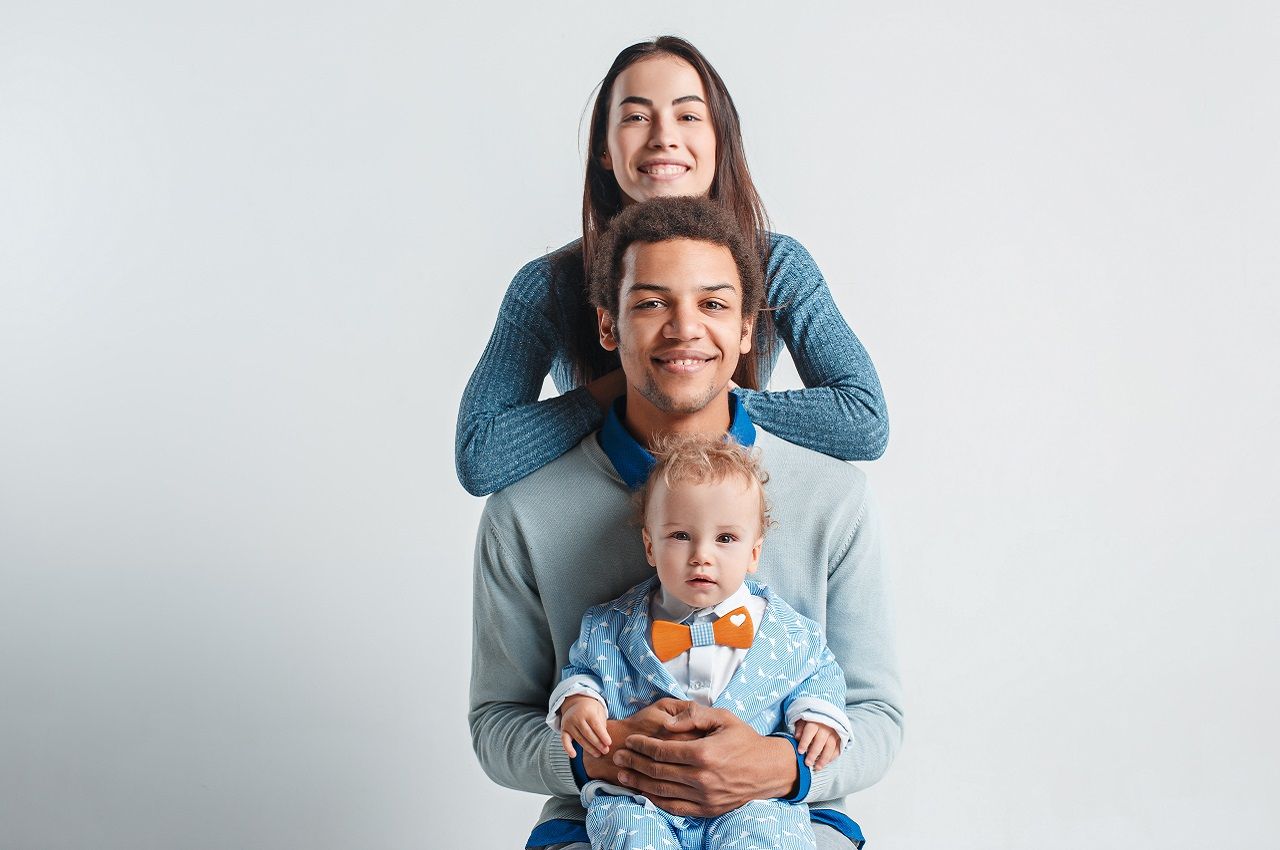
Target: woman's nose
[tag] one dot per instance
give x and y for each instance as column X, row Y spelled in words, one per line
column 662, row 133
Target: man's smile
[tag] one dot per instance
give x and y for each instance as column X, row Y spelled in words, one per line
column 683, row 362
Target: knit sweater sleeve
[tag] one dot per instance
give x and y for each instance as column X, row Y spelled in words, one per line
column 504, row 432
column 860, row 634
column 842, row 411
column 512, row 664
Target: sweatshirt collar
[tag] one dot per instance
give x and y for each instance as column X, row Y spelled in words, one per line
column 633, row 461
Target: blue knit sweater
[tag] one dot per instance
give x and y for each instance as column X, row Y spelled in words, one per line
column 505, row 432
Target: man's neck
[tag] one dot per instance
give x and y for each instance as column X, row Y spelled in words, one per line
column 645, row 421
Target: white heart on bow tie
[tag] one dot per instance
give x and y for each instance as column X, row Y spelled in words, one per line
column 738, row 619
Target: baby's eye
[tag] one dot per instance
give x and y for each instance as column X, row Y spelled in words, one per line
column 726, row 538
column 679, row 535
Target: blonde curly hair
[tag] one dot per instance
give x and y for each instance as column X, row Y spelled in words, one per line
column 702, row 459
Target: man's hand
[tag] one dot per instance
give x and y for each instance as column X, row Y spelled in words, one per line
column 818, row 743
column 727, row 765
column 582, row 719
column 649, row 721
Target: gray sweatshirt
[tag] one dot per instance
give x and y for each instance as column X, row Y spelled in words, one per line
column 563, row 539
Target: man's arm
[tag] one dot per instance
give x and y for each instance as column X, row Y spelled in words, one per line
column 725, row 766
column 860, row 633
column 512, row 663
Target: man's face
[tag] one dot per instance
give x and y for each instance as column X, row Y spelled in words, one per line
column 679, row 330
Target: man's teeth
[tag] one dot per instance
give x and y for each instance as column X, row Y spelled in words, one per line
column 683, row 362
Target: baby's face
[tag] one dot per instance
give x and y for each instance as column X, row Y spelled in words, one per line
column 703, row 538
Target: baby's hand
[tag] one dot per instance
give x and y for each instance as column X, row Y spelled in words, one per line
column 582, row 719
column 818, row 744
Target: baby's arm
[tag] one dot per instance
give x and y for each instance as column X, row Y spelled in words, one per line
column 577, row 708
column 815, row 714
column 582, row 719
column 817, row 742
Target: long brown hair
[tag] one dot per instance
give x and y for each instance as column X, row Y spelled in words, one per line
column 731, row 186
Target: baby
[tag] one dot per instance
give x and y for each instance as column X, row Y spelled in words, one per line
column 699, row 630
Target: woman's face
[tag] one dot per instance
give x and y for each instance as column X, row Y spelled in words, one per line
column 660, row 139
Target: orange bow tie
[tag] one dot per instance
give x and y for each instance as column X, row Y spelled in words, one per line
column 733, row 629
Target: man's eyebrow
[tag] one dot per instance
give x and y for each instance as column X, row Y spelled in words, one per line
column 657, row 287
column 644, row 101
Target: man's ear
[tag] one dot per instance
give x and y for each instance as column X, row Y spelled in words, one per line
column 648, row 547
column 748, row 326
column 608, row 335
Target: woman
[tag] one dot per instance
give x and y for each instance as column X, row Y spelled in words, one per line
column 663, row 124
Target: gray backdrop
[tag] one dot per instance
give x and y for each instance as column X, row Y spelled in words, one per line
column 249, row 253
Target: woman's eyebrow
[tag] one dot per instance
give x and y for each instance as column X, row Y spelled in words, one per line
column 644, row 101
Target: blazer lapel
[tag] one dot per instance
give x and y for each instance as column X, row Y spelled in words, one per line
column 633, row 642
column 770, row 651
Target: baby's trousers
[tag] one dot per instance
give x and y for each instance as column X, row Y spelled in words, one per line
column 627, row 823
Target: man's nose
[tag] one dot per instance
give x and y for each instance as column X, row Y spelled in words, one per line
column 686, row 323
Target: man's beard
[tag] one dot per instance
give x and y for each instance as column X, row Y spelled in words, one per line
column 659, row 399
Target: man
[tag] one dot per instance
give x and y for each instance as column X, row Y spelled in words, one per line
column 676, row 294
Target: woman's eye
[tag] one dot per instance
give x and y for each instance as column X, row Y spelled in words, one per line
column 691, row 116
column 635, row 116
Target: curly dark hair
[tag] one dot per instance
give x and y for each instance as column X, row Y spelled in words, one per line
column 663, row 219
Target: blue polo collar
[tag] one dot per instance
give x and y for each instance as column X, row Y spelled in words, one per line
column 633, row 461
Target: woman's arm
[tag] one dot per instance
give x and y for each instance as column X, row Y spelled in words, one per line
column 504, row 431
column 841, row 412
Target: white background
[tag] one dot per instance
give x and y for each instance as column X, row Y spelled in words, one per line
column 249, row 253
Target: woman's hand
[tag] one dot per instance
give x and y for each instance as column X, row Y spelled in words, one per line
column 608, row 387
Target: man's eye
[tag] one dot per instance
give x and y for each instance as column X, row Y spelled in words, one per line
column 726, row 538
column 717, row 305
column 651, row 304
